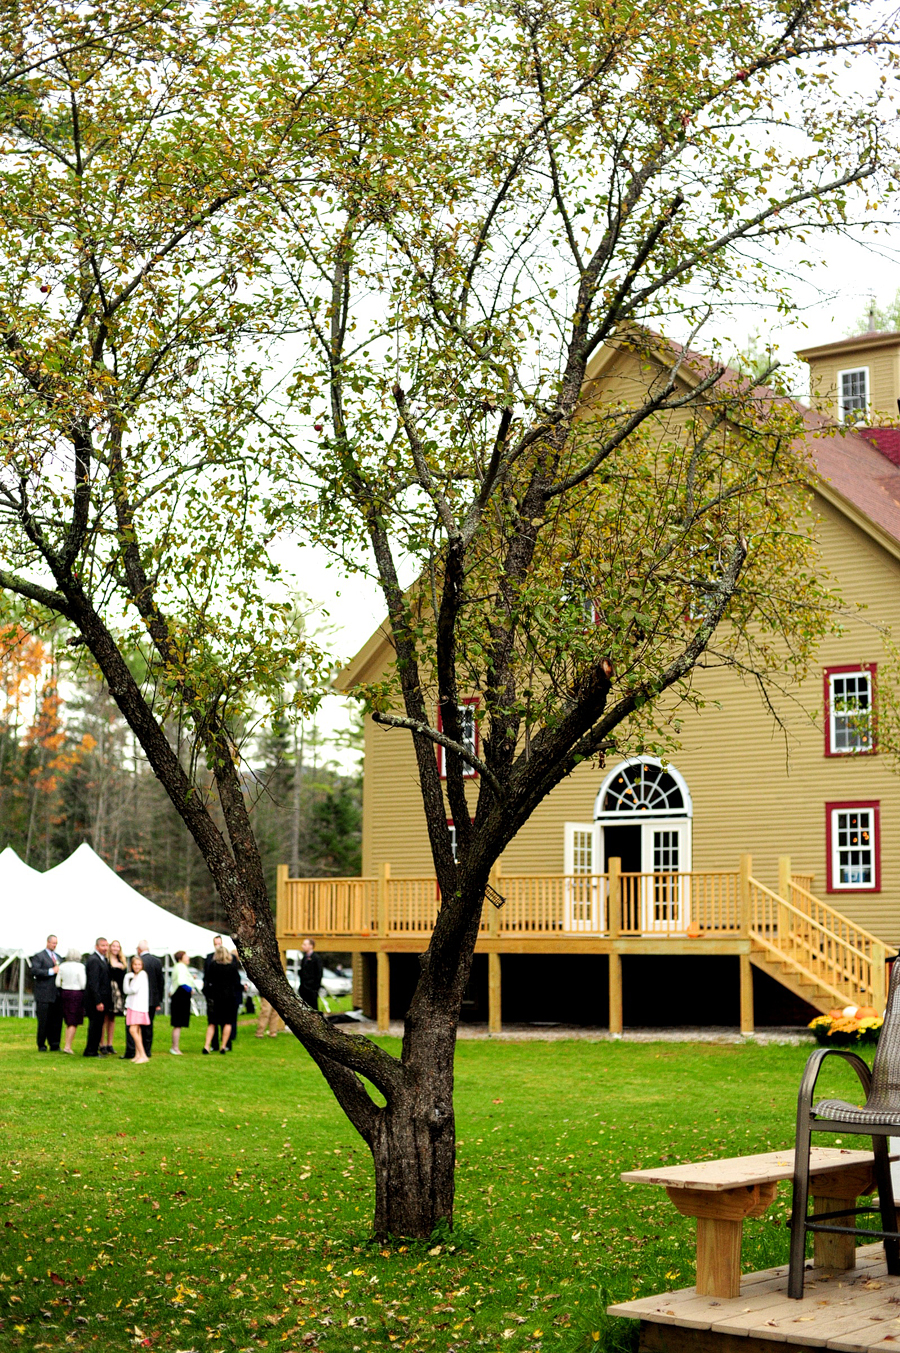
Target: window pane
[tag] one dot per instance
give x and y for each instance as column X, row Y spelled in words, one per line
column 582, row 852
column 855, row 847
column 468, row 739
column 853, row 392
column 643, row 788
column 851, row 712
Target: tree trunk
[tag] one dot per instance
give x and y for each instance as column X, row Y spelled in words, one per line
column 414, row 1154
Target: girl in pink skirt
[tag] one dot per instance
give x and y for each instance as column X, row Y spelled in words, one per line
column 137, row 1006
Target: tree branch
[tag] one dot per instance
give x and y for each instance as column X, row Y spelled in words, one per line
column 423, row 729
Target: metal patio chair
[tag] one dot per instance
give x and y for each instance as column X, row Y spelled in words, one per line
column 879, row 1118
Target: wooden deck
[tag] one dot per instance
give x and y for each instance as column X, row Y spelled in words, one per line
column 854, row 1311
column 802, row 942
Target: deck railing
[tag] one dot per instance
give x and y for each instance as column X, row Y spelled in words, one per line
column 823, row 950
column 535, row 904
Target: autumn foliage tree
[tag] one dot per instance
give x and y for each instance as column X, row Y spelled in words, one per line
column 459, row 210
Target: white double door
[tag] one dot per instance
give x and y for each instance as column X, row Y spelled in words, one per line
column 659, row 850
column 652, row 905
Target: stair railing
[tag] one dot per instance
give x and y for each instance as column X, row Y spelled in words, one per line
column 816, row 952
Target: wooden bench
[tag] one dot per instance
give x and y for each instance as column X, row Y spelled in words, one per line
column 721, row 1193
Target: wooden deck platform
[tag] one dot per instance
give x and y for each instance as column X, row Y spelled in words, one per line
column 850, row 1311
column 803, row 943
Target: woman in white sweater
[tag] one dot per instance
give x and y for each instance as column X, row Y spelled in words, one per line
column 72, row 980
column 137, row 1006
column 181, row 990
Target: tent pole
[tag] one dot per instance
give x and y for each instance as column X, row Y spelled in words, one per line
column 21, row 986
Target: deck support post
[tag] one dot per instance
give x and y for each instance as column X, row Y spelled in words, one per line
column 747, row 1022
column 384, row 992
column 495, row 1024
column 614, row 925
column 745, row 900
column 615, row 992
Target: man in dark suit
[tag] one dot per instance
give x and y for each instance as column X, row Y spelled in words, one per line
column 97, row 995
column 47, row 1000
column 154, row 970
column 310, row 974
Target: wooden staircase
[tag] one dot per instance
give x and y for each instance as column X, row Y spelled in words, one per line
column 812, row 949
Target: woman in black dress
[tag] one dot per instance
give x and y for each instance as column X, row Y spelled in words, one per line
column 223, row 985
column 181, row 990
column 118, row 967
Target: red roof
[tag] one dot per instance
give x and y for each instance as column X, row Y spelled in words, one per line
column 864, row 471
column 887, row 440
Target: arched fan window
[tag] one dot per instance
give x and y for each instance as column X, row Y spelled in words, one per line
column 643, row 788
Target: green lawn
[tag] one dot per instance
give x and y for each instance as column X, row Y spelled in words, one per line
column 222, row 1202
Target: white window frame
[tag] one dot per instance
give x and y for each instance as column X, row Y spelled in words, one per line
column 852, row 371
column 837, row 885
column 467, row 713
column 834, row 714
column 570, row 850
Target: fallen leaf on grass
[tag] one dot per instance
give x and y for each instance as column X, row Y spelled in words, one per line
column 57, row 1280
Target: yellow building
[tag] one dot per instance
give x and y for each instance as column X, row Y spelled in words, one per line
column 756, row 877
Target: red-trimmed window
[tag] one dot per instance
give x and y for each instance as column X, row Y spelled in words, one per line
column 850, row 710
column 853, row 834
column 469, row 737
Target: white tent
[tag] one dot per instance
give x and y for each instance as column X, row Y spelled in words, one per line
column 20, row 893
column 83, row 898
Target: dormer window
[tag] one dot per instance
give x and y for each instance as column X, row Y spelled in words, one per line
column 853, row 394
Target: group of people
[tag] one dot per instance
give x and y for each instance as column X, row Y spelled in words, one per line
column 106, row 985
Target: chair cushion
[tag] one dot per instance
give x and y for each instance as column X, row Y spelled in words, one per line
column 851, row 1113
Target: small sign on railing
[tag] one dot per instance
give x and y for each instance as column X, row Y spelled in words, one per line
column 496, row 899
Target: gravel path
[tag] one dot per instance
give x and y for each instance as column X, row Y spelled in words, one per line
column 551, row 1033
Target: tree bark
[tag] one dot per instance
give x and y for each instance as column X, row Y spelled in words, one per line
column 414, row 1154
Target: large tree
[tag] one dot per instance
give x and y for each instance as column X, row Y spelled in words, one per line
column 460, row 208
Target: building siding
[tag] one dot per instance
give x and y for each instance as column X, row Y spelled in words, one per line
column 884, row 381
column 754, row 787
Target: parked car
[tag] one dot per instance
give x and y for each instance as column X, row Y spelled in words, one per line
column 333, row 983
column 336, row 983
